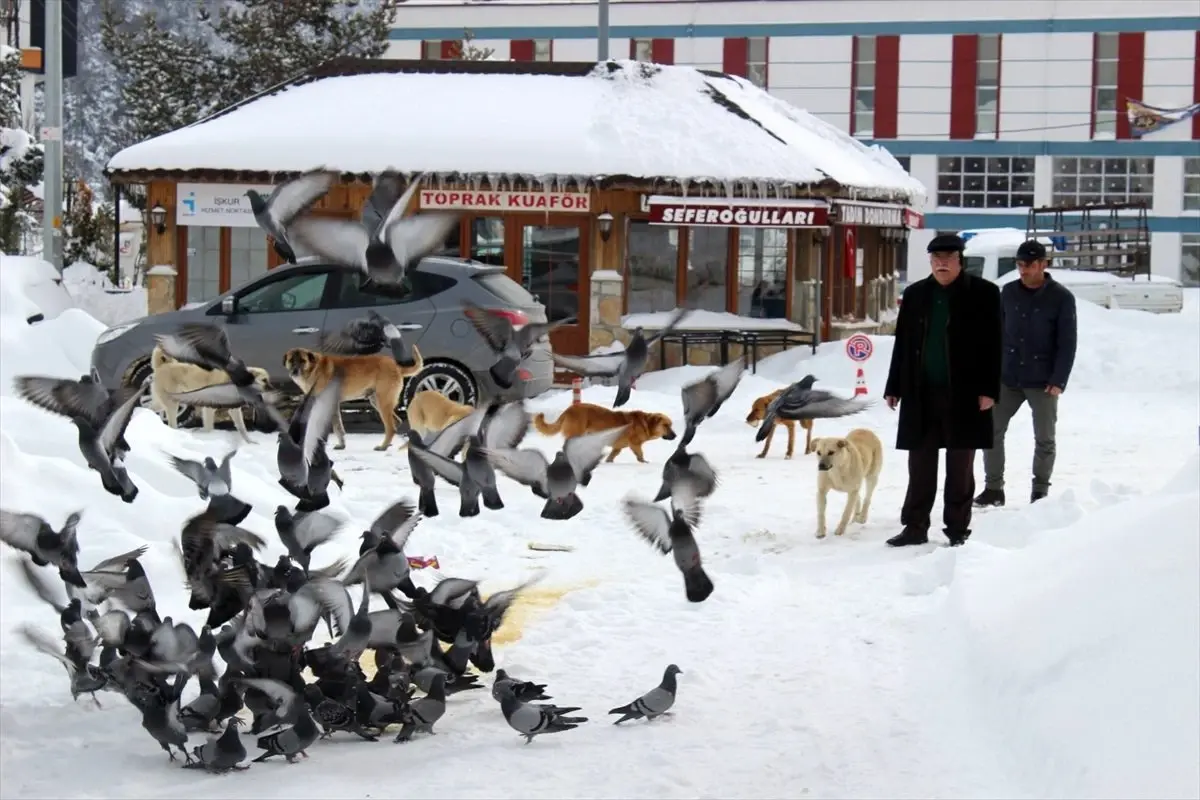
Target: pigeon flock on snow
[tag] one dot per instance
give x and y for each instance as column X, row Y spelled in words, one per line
column 291, row 635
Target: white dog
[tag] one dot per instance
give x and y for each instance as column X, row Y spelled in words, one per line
column 171, row 376
column 845, row 465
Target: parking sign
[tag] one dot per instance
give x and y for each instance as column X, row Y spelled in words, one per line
column 859, row 348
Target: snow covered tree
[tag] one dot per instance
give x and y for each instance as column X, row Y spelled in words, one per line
column 22, row 160
column 469, row 51
column 89, row 229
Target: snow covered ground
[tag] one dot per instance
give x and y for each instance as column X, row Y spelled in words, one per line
column 1056, row 655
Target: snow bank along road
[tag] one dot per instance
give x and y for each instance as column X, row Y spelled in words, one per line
column 1053, row 656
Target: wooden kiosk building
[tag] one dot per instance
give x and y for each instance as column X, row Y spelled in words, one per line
column 614, row 192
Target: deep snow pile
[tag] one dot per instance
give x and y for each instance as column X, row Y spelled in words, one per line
column 95, row 293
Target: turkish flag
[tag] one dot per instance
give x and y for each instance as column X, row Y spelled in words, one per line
column 850, row 253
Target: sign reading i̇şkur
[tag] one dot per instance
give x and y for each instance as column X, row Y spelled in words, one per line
column 220, row 205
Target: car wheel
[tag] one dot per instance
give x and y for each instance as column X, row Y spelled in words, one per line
column 450, row 380
column 144, row 373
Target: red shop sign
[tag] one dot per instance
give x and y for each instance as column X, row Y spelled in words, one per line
column 721, row 213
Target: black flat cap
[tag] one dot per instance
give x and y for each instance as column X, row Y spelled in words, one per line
column 1031, row 250
column 946, row 243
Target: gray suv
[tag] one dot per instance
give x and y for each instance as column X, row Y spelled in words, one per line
column 295, row 305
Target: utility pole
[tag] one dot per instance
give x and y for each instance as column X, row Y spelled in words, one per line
column 602, row 31
column 52, row 133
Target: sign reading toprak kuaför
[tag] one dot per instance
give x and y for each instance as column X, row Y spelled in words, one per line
column 463, row 200
column 725, row 213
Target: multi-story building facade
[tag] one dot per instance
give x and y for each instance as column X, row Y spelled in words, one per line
column 995, row 105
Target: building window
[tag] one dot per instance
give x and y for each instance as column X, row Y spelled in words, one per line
column 1191, row 182
column 1105, row 61
column 247, row 255
column 441, row 49
column 1189, row 262
column 653, row 263
column 862, row 81
column 973, row 182
column 543, row 50
column 1088, row 181
column 708, row 257
column 761, row 272
column 905, row 162
column 756, row 60
column 657, row 51
column 987, row 86
column 203, row 263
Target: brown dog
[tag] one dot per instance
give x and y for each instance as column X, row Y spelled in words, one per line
column 431, row 411
column 759, row 410
column 580, row 418
column 377, row 378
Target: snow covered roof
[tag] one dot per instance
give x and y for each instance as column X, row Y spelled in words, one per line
column 544, row 122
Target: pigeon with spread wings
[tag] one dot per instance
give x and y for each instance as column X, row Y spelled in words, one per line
column 702, row 399
column 368, row 336
column 800, row 401
column 382, row 252
column 510, row 344
column 625, row 366
column 289, row 200
column 673, row 533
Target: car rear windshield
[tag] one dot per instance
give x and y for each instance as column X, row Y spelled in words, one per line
column 505, row 288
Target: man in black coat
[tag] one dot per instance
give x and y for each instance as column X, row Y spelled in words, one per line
column 945, row 377
column 1039, row 351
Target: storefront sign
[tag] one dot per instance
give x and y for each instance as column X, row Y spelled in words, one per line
column 222, row 205
column 512, row 202
column 877, row 215
column 718, row 212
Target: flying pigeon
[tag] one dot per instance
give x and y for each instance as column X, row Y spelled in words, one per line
column 303, row 533
column 304, row 465
column 511, row 345
column 532, row 720
column 32, row 534
column 101, row 424
column 672, row 533
column 801, row 401
column 702, row 399
column 289, row 200
column 215, row 483
column 557, row 480
column 382, row 563
column 368, row 336
column 685, row 466
column 625, row 366
column 654, row 703
column 384, row 252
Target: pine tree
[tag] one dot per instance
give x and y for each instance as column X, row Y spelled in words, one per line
column 22, row 160
column 89, row 229
column 469, row 51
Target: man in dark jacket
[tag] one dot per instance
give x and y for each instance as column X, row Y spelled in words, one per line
column 945, row 377
column 1039, row 351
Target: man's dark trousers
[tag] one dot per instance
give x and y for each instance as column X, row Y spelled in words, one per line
column 1044, row 407
column 959, row 489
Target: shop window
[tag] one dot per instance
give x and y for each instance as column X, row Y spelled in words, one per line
column 976, row 182
column 203, row 263
column 708, row 254
column 1191, row 184
column 762, row 272
column 247, row 255
column 1087, row 181
column 487, row 240
column 550, row 271
column 1189, row 263
column 652, row 264
column 299, row 292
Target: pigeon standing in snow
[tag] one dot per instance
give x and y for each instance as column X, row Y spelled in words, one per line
column 423, row 475
column 221, row 753
column 215, row 483
column 702, row 399
column 368, row 336
column 672, row 533
column 625, row 366
column 510, row 345
column 101, row 423
column 557, row 480
column 800, row 401
column 289, row 199
column 525, row 691
column 530, row 720
column 383, row 252
column 32, row 534
column 654, row 703
column 423, row 713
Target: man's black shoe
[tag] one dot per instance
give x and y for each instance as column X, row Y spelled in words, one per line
column 1037, row 494
column 990, row 497
column 957, row 538
column 909, row 536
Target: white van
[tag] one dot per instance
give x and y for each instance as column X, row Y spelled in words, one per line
column 992, row 253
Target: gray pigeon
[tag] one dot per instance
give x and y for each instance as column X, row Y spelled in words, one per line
column 304, row 465
column 383, row 564
column 672, row 533
column 221, row 753
column 215, row 483
column 685, row 466
column 303, row 533
column 654, row 703
column 625, row 366
column 702, row 399
column 101, row 424
column 557, row 480
column 382, row 252
column 511, row 345
column 424, row 478
column 33, row 535
column 120, row 578
column 423, row 713
column 289, row 200
column 525, row 691
column 368, row 336
column 530, row 720
column 800, row 401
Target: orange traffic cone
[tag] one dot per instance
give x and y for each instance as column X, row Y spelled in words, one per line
column 576, row 391
column 860, row 383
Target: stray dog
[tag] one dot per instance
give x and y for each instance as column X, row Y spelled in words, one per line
column 759, row 410
column 580, row 418
column 845, row 465
column 175, row 377
column 376, row 378
column 431, row 411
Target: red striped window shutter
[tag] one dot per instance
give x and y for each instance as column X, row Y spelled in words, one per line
column 663, row 50
column 964, row 64
column 887, row 87
column 521, row 50
column 737, row 52
column 451, row 49
column 1131, row 63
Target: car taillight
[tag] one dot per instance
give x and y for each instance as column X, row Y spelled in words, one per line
column 515, row 317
